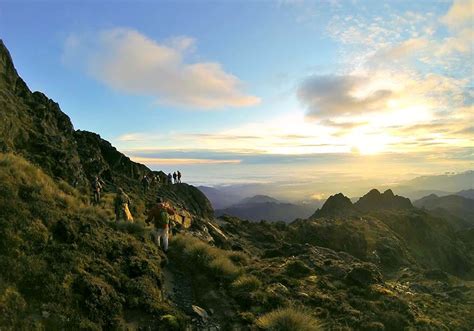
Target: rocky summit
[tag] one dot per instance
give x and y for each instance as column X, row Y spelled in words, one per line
column 66, row 264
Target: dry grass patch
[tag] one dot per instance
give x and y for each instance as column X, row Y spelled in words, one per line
column 215, row 261
column 289, row 319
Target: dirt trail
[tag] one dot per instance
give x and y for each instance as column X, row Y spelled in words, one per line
column 177, row 288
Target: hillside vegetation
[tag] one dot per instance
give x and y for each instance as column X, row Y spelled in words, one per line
column 64, row 265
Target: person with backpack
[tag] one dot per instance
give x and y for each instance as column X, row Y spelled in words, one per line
column 179, row 176
column 122, row 203
column 145, row 183
column 159, row 217
column 175, row 177
column 96, row 189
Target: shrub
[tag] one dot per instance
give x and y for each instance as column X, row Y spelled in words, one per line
column 246, row 283
column 212, row 260
column 289, row 319
column 239, row 257
column 136, row 228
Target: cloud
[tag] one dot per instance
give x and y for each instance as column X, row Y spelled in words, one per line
column 328, row 96
column 460, row 14
column 128, row 61
column 157, row 161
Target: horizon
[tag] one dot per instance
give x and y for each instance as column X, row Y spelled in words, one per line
column 315, row 98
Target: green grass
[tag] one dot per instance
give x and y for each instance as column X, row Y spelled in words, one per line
column 64, row 265
column 289, row 319
column 246, row 283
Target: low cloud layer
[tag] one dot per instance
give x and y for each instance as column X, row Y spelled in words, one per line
column 128, row 61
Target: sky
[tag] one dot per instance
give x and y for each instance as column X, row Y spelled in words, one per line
column 312, row 96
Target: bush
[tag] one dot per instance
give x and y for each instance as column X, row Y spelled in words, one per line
column 136, row 228
column 246, row 283
column 212, row 260
column 289, row 319
column 239, row 258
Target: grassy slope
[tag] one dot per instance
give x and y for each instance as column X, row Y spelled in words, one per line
column 63, row 264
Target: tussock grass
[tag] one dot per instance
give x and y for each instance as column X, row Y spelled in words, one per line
column 239, row 258
column 60, row 253
column 138, row 228
column 214, row 261
column 246, row 283
column 289, row 319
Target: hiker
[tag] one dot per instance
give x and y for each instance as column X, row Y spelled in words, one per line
column 122, row 203
column 159, row 217
column 170, row 179
column 96, row 189
column 179, row 176
column 155, row 180
column 145, row 183
column 175, row 177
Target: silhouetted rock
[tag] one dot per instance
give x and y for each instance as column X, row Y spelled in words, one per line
column 374, row 200
column 335, row 205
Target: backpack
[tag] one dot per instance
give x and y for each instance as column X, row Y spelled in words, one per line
column 162, row 220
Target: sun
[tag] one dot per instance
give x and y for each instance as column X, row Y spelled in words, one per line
column 365, row 144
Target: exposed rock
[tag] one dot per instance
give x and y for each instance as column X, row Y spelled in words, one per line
column 200, row 312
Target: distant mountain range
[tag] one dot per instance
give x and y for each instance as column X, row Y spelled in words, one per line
column 456, row 208
column 263, row 207
column 220, row 198
column 440, row 185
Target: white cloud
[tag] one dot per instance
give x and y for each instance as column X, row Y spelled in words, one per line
column 128, row 61
column 460, row 14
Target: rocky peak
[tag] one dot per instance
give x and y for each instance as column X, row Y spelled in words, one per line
column 335, row 205
column 8, row 74
column 374, row 200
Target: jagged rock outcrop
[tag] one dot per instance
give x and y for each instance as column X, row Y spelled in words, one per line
column 33, row 125
column 374, row 200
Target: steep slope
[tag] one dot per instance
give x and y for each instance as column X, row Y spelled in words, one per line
column 457, row 209
column 64, row 266
column 34, row 126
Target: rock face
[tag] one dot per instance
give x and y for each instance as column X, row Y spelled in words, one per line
column 34, row 126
